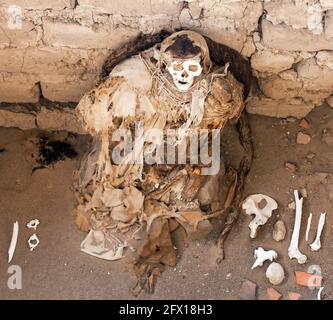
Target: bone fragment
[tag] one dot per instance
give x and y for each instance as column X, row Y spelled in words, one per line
column 32, row 224
column 308, row 227
column 293, row 250
column 316, row 244
column 13, row 241
column 261, row 206
column 33, row 242
column 261, row 256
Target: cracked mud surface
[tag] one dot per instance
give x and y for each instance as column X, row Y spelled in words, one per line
column 58, row 270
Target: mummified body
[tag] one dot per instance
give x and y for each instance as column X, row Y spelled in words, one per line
column 171, row 86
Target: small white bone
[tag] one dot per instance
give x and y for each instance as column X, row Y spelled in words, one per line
column 33, row 242
column 308, row 227
column 316, row 244
column 293, row 250
column 261, row 256
column 319, row 293
column 13, row 241
column 32, row 224
column 251, row 205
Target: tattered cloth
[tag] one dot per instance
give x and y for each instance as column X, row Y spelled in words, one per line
column 122, row 203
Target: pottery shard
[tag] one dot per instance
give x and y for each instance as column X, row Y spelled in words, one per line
column 279, row 230
column 308, row 280
column 303, row 138
column 304, row 124
column 294, row 295
column 273, row 294
column 248, row 290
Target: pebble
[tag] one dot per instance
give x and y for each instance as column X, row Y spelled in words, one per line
column 291, row 119
column 310, row 155
column 327, row 136
column 279, row 230
column 302, row 138
column 291, row 167
column 292, row 205
column 304, row 193
column 275, row 273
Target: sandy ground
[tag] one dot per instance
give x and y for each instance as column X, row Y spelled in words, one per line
column 58, row 270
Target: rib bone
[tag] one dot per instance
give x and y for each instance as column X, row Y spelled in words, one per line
column 293, row 250
column 13, row 242
column 316, row 244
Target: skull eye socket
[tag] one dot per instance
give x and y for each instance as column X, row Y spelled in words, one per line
column 193, row 68
column 177, row 67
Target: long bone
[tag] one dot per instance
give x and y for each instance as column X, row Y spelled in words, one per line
column 316, row 244
column 293, row 250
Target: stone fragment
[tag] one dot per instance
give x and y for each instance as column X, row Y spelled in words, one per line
column 327, row 136
column 303, row 138
column 291, row 167
column 279, row 230
column 292, row 205
column 275, row 273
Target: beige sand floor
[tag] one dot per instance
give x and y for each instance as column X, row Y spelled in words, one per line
column 58, row 270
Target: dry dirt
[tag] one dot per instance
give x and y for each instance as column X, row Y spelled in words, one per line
column 58, row 270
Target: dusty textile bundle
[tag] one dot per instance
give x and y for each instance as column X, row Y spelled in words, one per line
column 126, row 204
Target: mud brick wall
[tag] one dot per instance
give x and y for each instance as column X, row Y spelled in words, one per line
column 56, row 48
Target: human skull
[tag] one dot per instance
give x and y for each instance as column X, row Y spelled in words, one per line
column 183, row 72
